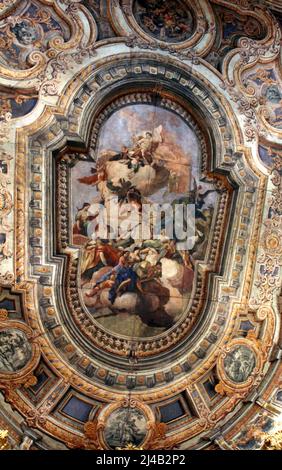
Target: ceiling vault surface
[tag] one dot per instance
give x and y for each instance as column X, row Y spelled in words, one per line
column 140, row 224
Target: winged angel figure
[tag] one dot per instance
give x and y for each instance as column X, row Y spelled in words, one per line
column 147, row 279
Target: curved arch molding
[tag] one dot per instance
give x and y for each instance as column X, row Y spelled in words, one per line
column 211, row 375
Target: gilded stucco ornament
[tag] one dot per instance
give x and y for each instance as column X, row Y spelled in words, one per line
column 207, row 419
column 6, row 5
column 73, row 75
column 125, row 423
column 255, row 94
column 38, row 32
column 5, row 202
column 19, row 356
column 272, row 442
column 3, row 314
column 4, row 439
column 270, row 259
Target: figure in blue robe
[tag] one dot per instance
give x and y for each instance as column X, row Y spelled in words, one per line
column 125, row 279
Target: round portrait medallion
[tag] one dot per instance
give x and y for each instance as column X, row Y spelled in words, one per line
column 167, row 21
column 15, row 350
column 239, row 363
column 125, row 427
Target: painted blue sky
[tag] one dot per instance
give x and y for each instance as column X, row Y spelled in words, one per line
column 119, row 129
column 135, row 119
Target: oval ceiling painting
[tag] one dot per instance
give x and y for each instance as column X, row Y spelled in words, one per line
column 167, row 21
column 142, row 218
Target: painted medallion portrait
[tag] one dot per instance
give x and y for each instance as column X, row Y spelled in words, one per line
column 15, row 350
column 125, row 426
column 138, row 282
column 239, row 364
column 167, row 21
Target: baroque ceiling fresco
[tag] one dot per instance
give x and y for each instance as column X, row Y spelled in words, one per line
column 110, row 340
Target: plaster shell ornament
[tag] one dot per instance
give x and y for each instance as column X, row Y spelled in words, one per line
column 238, row 366
column 125, row 424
